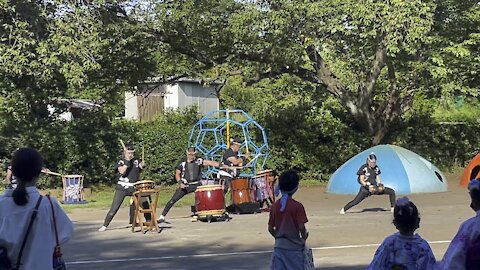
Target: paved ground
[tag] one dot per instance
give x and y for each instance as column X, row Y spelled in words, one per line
column 339, row 241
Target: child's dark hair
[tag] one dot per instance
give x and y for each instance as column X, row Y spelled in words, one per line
column 405, row 215
column 26, row 166
column 289, row 180
column 475, row 195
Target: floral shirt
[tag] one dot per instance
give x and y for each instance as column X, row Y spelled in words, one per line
column 411, row 252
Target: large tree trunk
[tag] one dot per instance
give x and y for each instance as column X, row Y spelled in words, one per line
column 375, row 121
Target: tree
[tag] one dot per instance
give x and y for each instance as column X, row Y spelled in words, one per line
column 366, row 54
column 52, row 51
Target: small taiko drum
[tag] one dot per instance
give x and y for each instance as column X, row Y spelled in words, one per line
column 144, row 185
column 73, row 189
column 241, row 191
column 209, row 201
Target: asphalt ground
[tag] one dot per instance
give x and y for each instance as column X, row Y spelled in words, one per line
column 338, row 241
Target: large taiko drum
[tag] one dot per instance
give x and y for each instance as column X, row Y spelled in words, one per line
column 241, row 191
column 144, row 185
column 73, row 189
column 209, row 201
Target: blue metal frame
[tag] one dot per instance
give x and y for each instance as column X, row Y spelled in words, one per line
column 200, row 132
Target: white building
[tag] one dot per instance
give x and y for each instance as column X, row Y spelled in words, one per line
column 74, row 108
column 183, row 93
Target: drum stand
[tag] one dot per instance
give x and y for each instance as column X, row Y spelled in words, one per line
column 152, row 197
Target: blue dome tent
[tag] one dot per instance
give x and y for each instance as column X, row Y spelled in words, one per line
column 402, row 170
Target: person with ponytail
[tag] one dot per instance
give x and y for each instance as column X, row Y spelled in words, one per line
column 464, row 250
column 287, row 225
column 16, row 208
column 370, row 184
column 404, row 250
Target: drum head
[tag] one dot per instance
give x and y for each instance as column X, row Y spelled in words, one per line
column 264, row 172
column 144, row 182
column 208, row 187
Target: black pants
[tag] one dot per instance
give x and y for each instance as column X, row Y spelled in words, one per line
column 363, row 193
column 179, row 193
column 117, row 202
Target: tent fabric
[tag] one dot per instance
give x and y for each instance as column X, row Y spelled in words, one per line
column 402, row 170
column 472, row 171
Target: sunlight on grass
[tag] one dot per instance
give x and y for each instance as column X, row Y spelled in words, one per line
column 102, row 199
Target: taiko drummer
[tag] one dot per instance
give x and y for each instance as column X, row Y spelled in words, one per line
column 231, row 158
column 129, row 169
column 188, row 174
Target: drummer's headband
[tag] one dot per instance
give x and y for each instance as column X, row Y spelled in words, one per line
column 372, row 157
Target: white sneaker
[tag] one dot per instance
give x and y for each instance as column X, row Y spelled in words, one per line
column 391, row 209
column 102, row 229
column 342, row 212
column 161, row 219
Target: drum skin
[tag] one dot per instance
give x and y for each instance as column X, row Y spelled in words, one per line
column 209, row 198
column 144, row 185
column 241, row 192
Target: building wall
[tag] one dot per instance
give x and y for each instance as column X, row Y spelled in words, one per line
column 131, row 109
column 204, row 97
column 171, row 98
column 175, row 96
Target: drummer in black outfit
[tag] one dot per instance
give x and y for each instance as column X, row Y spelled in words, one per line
column 369, row 179
column 188, row 174
column 230, row 158
column 129, row 170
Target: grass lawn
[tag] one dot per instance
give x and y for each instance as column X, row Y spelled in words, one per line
column 102, row 197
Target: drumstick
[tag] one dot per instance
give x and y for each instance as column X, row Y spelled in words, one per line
column 246, row 143
column 52, row 173
column 143, row 153
column 255, row 157
column 123, row 145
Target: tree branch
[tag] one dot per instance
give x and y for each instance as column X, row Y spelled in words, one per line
column 378, row 64
column 325, row 76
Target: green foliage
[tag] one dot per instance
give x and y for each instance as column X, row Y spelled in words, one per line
column 306, row 129
column 445, row 144
column 165, row 140
column 468, row 113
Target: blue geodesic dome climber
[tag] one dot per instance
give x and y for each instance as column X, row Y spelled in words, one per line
column 211, row 137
